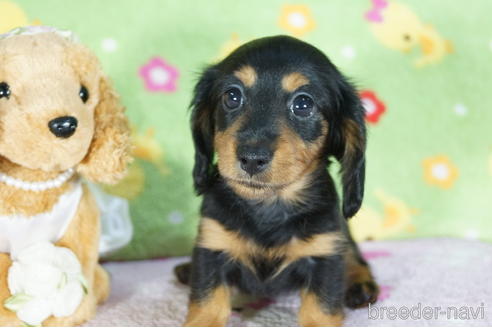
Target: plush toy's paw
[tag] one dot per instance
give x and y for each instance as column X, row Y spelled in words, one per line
column 361, row 294
column 183, row 273
column 102, row 284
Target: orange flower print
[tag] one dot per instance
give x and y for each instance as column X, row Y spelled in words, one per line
column 297, row 19
column 440, row 171
column 229, row 46
column 11, row 16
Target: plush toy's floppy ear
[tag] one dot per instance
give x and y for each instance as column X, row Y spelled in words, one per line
column 109, row 153
column 202, row 127
column 348, row 139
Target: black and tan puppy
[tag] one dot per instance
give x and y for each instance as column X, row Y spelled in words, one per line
column 274, row 112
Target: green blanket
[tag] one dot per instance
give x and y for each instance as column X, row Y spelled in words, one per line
column 423, row 67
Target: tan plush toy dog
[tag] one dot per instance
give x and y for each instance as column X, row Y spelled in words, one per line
column 59, row 117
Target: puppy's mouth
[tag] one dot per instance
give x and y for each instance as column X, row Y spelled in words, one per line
column 253, row 184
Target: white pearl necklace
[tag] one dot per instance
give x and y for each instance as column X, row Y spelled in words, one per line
column 37, row 186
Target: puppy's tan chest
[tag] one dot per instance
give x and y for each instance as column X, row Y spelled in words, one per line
column 216, row 237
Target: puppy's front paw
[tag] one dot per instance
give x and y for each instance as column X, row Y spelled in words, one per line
column 361, row 294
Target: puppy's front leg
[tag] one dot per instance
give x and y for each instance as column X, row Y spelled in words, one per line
column 210, row 303
column 362, row 289
column 323, row 298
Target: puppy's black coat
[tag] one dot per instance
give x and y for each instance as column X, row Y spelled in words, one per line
column 275, row 111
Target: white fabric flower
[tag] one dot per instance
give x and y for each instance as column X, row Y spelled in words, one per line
column 45, row 280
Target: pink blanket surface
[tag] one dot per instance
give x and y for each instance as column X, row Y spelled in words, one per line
column 426, row 282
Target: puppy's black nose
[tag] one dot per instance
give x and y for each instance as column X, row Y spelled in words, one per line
column 253, row 161
column 63, row 127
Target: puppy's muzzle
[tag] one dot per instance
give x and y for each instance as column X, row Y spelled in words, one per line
column 63, row 127
column 254, row 159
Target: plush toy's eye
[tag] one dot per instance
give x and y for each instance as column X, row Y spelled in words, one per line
column 4, row 90
column 84, row 94
column 303, row 105
column 233, row 98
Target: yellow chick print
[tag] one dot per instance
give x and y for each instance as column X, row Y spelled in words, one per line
column 397, row 27
column 131, row 186
column 370, row 224
column 145, row 147
column 12, row 16
column 229, row 46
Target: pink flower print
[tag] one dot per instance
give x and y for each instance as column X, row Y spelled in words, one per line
column 384, row 292
column 374, row 14
column 159, row 76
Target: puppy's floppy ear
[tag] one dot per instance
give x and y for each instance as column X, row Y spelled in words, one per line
column 109, row 153
column 348, row 142
column 202, row 127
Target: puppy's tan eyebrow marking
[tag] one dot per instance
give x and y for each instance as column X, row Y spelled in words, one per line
column 247, row 75
column 292, row 81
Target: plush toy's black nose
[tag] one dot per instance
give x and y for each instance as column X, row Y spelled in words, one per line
column 253, row 160
column 63, row 127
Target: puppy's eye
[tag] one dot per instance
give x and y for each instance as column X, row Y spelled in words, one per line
column 4, row 90
column 302, row 106
column 84, row 94
column 233, row 98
